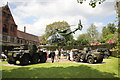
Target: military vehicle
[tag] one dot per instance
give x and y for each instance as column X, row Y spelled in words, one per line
column 75, row 53
column 90, row 56
column 106, row 51
column 26, row 54
column 60, row 35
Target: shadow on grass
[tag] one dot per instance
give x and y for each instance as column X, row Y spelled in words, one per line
column 81, row 71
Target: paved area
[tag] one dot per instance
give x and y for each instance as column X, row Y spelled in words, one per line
column 48, row 61
column 60, row 60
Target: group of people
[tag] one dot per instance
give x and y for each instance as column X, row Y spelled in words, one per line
column 57, row 54
column 54, row 54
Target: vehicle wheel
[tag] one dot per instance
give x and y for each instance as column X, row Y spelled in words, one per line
column 77, row 59
column 82, row 58
column 24, row 60
column 106, row 56
column 11, row 62
column 99, row 60
column 91, row 60
column 35, row 59
column 43, row 58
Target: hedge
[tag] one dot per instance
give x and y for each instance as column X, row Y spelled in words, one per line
column 80, row 47
column 116, row 53
column 109, row 46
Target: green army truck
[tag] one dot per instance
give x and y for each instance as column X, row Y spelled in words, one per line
column 26, row 54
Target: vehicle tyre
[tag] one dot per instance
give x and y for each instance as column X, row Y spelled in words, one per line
column 99, row 60
column 82, row 58
column 43, row 58
column 91, row 60
column 35, row 59
column 24, row 59
column 11, row 62
column 77, row 59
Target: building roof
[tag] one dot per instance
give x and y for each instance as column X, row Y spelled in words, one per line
column 20, row 34
column 7, row 10
column 27, row 36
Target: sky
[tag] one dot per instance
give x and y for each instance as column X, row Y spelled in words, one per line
column 36, row 14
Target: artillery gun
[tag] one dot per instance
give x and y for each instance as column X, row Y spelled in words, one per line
column 26, row 54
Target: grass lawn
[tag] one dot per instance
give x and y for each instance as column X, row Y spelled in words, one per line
column 108, row 69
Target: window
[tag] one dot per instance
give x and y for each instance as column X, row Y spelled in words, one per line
column 12, row 27
column 12, row 39
column 4, row 38
column 5, row 29
column 5, row 26
column 3, row 13
column 18, row 41
column 21, row 41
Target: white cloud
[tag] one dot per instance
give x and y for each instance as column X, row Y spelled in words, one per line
column 99, row 25
column 49, row 11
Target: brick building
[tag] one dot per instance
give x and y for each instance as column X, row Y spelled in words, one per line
column 9, row 33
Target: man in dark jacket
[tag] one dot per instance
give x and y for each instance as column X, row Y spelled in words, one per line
column 52, row 55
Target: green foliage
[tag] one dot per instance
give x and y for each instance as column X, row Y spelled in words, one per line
column 43, row 40
column 93, row 33
column 50, row 29
column 116, row 53
column 111, row 28
column 83, row 39
column 77, row 46
column 105, row 31
column 109, row 33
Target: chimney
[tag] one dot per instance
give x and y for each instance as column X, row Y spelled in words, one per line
column 24, row 29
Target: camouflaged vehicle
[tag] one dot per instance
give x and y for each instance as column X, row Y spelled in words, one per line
column 26, row 54
column 106, row 51
column 90, row 56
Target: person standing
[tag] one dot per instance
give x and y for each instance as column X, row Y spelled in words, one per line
column 57, row 55
column 52, row 55
column 71, row 55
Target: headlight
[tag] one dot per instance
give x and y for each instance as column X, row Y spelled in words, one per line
column 14, row 55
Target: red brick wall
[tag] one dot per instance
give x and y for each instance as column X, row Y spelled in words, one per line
column 7, row 19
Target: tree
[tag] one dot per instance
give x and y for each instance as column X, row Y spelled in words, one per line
column 109, row 33
column 118, row 12
column 51, row 29
column 105, row 32
column 93, row 33
column 93, row 4
column 111, row 28
column 42, row 39
column 83, row 39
